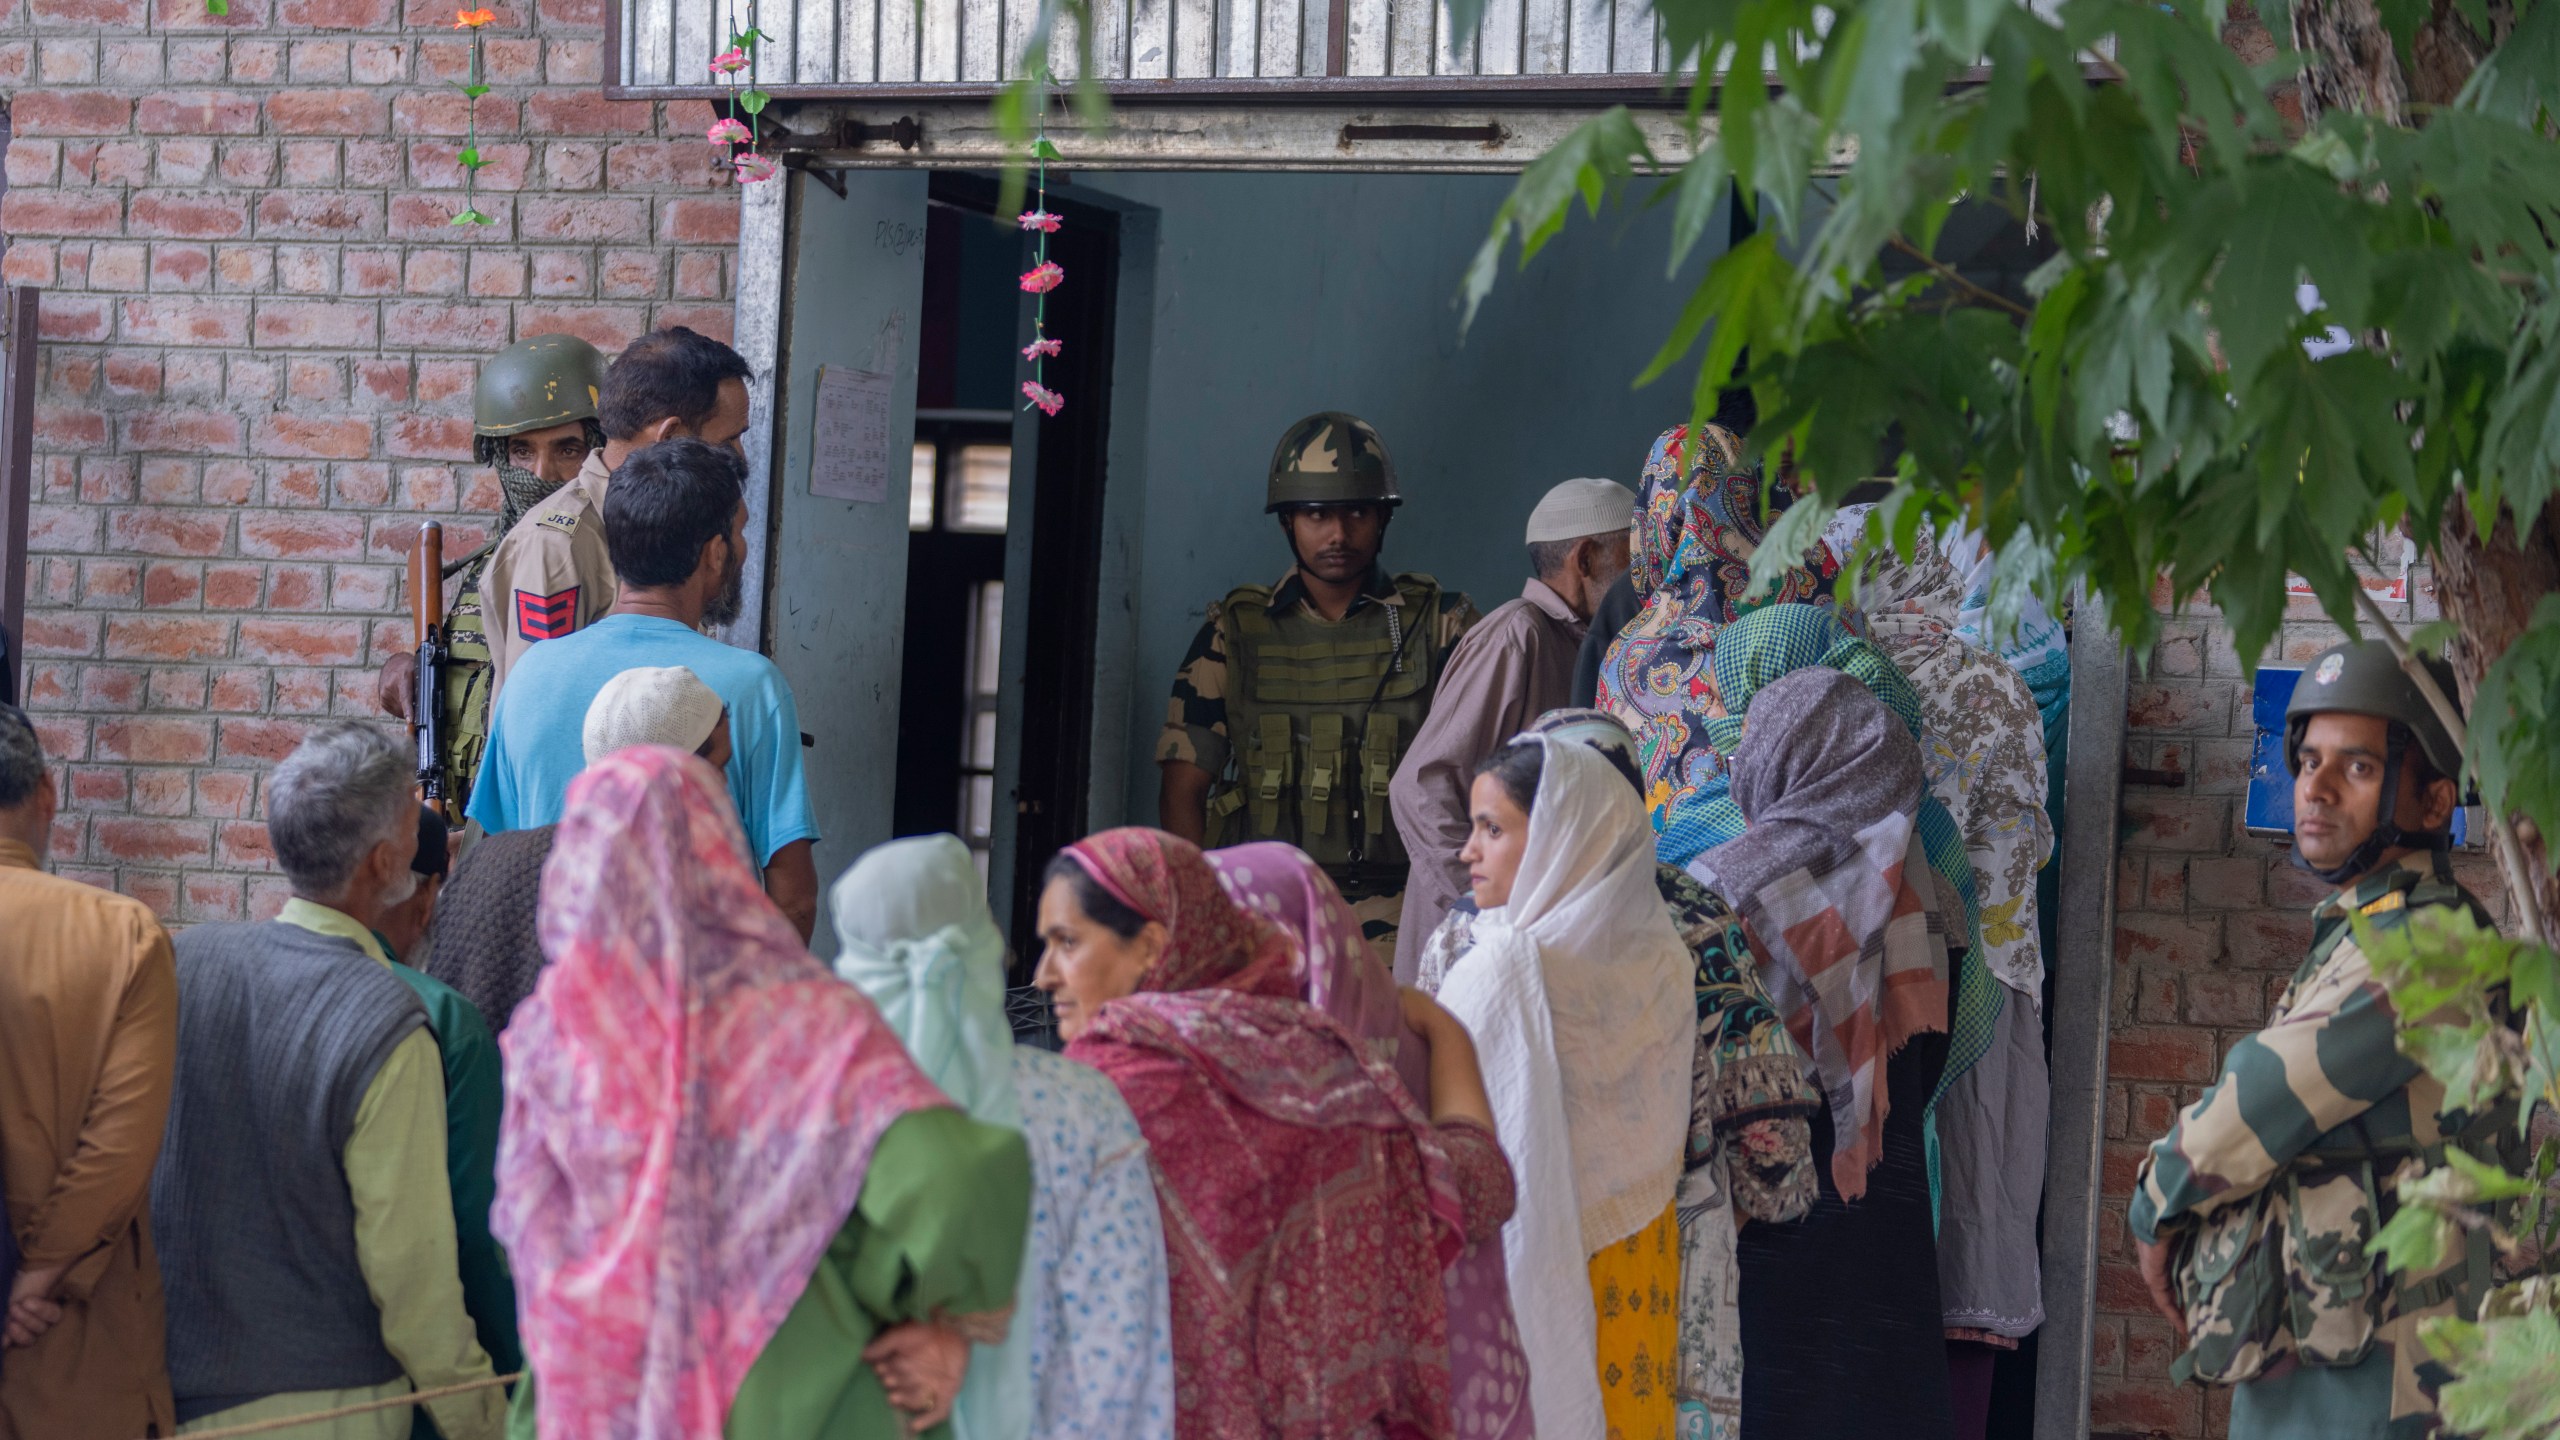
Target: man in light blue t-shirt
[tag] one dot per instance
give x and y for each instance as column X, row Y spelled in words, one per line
column 675, row 523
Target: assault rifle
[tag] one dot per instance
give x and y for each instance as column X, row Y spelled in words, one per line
column 428, row 632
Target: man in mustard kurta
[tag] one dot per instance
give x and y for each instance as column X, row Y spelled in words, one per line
column 302, row 1200
column 88, row 1037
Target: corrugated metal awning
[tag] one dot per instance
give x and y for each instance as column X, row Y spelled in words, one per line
column 1538, row 52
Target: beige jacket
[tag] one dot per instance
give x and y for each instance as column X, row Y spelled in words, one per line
column 550, row 576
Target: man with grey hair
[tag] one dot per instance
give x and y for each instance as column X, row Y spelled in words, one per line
column 302, row 1200
column 89, row 1023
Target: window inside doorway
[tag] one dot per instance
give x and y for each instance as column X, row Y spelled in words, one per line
column 959, row 493
column 958, row 484
column 978, row 750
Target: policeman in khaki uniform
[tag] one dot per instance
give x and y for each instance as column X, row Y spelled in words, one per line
column 533, row 420
column 1298, row 700
column 550, row 574
column 2252, row 1214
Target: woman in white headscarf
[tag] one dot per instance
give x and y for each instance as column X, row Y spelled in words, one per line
column 1577, row 990
column 1090, row 1352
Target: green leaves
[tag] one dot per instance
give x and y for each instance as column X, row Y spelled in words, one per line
column 1589, row 162
column 2144, row 416
column 754, row 101
column 2450, row 976
column 2509, row 1373
column 2515, row 723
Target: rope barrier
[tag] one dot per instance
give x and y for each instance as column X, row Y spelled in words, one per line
column 414, row 1397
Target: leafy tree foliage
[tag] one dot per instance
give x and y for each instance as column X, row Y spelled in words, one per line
column 2149, row 417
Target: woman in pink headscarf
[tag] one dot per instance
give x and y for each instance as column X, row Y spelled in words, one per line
column 1310, row 1206
column 1488, row 1372
column 721, row 1180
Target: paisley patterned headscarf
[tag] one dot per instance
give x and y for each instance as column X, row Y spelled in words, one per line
column 1698, row 522
column 1309, row 1207
column 1345, row 980
column 1984, row 748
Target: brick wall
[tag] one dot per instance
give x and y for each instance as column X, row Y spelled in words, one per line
column 259, row 339
column 2210, row 924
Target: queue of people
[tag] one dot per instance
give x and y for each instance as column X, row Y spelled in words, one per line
column 1616, row 1018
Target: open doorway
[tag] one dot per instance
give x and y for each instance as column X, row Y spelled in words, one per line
column 980, row 514
column 960, row 472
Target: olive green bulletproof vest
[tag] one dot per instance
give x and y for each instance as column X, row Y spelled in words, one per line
column 1319, row 713
column 468, row 677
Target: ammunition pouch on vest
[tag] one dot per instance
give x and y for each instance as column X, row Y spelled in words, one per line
column 1319, row 714
column 2287, row 1272
column 464, row 692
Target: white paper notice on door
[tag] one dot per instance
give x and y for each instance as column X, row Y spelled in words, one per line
column 851, row 458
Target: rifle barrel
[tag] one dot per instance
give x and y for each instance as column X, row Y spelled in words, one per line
column 426, row 583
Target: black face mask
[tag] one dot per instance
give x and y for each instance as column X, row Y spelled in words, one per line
column 519, row 490
column 2385, row 835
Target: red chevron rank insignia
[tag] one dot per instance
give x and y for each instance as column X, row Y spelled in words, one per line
column 546, row 617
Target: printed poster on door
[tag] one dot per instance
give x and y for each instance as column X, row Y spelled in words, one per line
column 850, row 460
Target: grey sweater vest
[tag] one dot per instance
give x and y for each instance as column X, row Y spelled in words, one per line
column 280, row 1032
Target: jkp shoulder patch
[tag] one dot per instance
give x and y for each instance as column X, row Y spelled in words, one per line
column 546, row 617
column 564, row 521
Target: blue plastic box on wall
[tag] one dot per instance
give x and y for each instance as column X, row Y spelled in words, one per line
column 2270, row 809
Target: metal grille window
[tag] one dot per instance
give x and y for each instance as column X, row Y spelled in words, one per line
column 978, row 751
column 959, row 497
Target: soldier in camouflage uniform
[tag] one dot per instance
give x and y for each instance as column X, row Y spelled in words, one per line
column 533, row 420
column 2252, row 1214
column 1296, row 702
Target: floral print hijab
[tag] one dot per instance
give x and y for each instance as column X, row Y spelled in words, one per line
column 1699, row 520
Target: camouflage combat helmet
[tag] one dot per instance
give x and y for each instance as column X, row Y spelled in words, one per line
column 1331, row 459
column 2363, row 677
column 535, row 384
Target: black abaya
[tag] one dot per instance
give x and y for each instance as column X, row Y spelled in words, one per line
column 1841, row 1335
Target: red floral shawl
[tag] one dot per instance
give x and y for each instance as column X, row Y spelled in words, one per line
column 692, row 1101
column 1308, row 1207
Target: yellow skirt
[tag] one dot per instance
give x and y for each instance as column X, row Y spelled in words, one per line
column 1635, row 1284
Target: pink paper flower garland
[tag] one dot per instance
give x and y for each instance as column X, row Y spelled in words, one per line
column 734, row 136
column 1044, row 276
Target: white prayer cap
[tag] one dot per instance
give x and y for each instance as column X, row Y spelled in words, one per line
column 1582, row 507
column 652, row 705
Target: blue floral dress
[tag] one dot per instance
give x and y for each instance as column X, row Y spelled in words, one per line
column 1093, row 1277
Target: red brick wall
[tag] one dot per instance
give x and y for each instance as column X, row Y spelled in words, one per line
column 259, row 339
column 2210, row 924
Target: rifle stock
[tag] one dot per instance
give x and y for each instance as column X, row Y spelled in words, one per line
column 427, row 634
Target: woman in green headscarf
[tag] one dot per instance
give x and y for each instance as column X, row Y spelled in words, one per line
column 1089, row 1352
